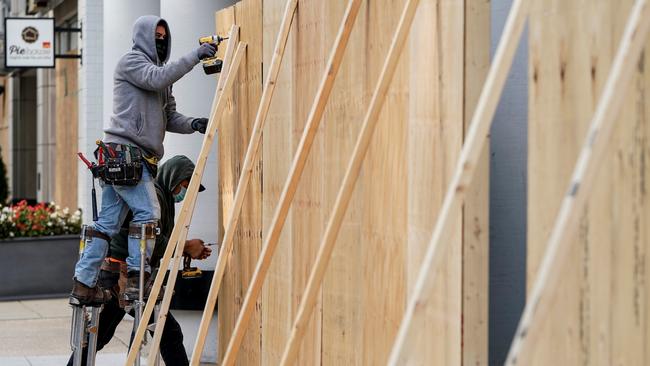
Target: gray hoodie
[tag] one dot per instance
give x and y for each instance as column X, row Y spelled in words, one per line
column 143, row 104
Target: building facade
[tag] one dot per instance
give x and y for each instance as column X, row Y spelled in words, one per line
column 47, row 115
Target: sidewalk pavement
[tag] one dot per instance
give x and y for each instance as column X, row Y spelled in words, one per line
column 37, row 333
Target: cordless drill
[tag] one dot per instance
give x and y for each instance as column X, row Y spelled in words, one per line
column 212, row 65
column 188, row 270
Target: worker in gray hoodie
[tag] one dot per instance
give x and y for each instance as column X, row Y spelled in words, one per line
column 143, row 110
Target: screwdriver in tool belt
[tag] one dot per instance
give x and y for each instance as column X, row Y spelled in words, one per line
column 108, row 149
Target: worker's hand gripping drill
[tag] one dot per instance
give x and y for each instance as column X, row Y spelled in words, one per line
column 194, row 249
column 211, row 63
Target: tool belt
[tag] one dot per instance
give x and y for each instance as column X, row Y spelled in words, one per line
column 119, row 164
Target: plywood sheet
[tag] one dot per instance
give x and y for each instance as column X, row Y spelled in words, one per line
column 66, row 163
column 600, row 314
column 342, row 290
column 312, row 46
column 277, row 312
column 476, row 223
column 393, row 209
column 233, row 141
column 435, row 131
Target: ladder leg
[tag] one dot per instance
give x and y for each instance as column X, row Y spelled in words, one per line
column 138, row 305
column 77, row 333
column 92, row 335
column 137, row 313
column 156, row 312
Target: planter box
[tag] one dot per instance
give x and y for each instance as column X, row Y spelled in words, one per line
column 38, row 267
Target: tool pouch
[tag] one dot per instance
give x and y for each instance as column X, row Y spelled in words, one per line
column 123, row 169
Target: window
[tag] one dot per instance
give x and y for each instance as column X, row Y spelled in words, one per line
column 67, row 41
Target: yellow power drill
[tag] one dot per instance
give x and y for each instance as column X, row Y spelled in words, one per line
column 212, row 65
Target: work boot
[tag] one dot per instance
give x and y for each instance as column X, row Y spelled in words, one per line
column 132, row 291
column 83, row 295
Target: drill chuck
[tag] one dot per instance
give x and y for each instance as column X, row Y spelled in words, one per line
column 215, row 39
column 212, row 65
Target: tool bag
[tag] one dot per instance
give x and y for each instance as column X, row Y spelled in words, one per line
column 119, row 165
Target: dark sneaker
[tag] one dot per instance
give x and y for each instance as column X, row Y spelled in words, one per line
column 83, row 295
column 132, row 291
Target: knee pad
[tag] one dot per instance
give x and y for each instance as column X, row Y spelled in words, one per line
column 148, row 229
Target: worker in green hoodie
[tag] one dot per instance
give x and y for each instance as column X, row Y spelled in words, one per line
column 171, row 184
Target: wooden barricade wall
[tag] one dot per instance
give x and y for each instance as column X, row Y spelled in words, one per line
column 405, row 175
column 67, row 105
column 601, row 312
column 234, row 135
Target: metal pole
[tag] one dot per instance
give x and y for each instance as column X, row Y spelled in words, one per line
column 76, row 336
column 140, row 302
column 92, row 335
column 78, row 328
column 156, row 312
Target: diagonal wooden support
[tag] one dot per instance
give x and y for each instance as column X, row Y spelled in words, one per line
column 289, row 190
column 169, row 290
column 584, row 174
column 244, row 178
column 464, row 171
column 317, row 274
column 189, row 201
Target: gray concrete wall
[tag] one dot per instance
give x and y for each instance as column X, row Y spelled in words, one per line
column 508, row 174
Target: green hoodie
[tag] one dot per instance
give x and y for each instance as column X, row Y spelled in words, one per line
column 170, row 175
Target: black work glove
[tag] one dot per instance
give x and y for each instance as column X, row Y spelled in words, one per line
column 206, row 50
column 200, row 124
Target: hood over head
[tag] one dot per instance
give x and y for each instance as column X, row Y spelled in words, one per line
column 173, row 172
column 144, row 37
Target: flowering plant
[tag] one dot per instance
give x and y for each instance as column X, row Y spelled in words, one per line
column 43, row 219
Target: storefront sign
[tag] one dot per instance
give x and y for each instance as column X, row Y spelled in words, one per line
column 29, row 42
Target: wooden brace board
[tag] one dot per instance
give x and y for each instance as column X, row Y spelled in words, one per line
column 599, row 313
column 175, row 242
column 467, row 163
column 244, row 179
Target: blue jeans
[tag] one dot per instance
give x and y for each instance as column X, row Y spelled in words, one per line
column 116, row 202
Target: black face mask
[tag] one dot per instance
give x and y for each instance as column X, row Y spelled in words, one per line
column 161, row 48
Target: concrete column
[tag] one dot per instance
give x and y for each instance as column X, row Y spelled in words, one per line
column 90, row 93
column 194, row 93
column 119, row 16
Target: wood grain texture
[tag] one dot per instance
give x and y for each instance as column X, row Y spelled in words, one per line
column 226, row 246
column 476, row 223
column 313, row 44
column 353, row 169
column 231, row 65
column 436, row 115
column 342, row 301
column 292, row 182
column 277, row 291
column 233, row 141
column 422, row 299
column 600, row 313
column 181, row 227
column 67, row 104
column 418, row 137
